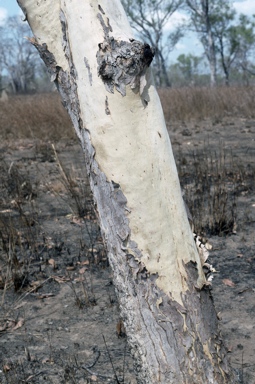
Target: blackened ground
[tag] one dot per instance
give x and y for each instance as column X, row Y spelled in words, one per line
column 59, row 318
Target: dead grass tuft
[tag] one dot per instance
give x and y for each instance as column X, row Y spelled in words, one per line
column 42, row 116
column 39, row 116
column 212, row 181
column 185, row 104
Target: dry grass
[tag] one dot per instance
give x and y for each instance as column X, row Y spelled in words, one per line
column 23, row 239
column 210, row 183
column 43, row 116
column 184, row 104
column 39, row 116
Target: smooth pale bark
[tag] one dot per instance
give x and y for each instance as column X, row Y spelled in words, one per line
column 107, row 88
column 211, row 53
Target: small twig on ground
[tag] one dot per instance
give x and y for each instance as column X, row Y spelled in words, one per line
column 59, row 164
column 32, row 290
column 114, row 371
column 33, row 376
column 96, row 359
column 78, row 301
column 88, row 368
column 8, row 272
column 97, row 374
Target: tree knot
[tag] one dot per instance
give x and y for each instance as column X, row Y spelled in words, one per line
column 123, row 62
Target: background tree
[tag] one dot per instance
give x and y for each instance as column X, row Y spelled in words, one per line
column 18, row 58
column 226, row 38
column 202, row 13
column 149, row 18
column 221, row 36
column 244, row 35
column 235, row 40
column 188, row 65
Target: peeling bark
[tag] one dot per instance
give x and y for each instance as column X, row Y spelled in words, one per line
column 168, row 314
column 121, row 63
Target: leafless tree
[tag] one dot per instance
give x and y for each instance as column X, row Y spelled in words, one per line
column 18, row 57
column 201, row 13
column 149, row 18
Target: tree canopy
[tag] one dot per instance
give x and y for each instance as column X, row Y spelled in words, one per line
column 227, row 38
column 150, row 18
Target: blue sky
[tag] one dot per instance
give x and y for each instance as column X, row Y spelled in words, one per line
column 189, row 44
column 8, row 8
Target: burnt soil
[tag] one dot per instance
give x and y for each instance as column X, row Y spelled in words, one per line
column 59, row 316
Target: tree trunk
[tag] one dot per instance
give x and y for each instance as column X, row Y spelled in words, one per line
column 212, row 53
column 107, row 88
column 166, row 81
column 224, row 62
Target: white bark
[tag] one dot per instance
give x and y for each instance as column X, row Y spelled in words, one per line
column 120, row 123
column 132, row 146
column 211, row 53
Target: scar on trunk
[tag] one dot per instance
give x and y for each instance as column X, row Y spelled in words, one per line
column 122, row 63
column 101, row 9
column 88, row 68
column 107, row 110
